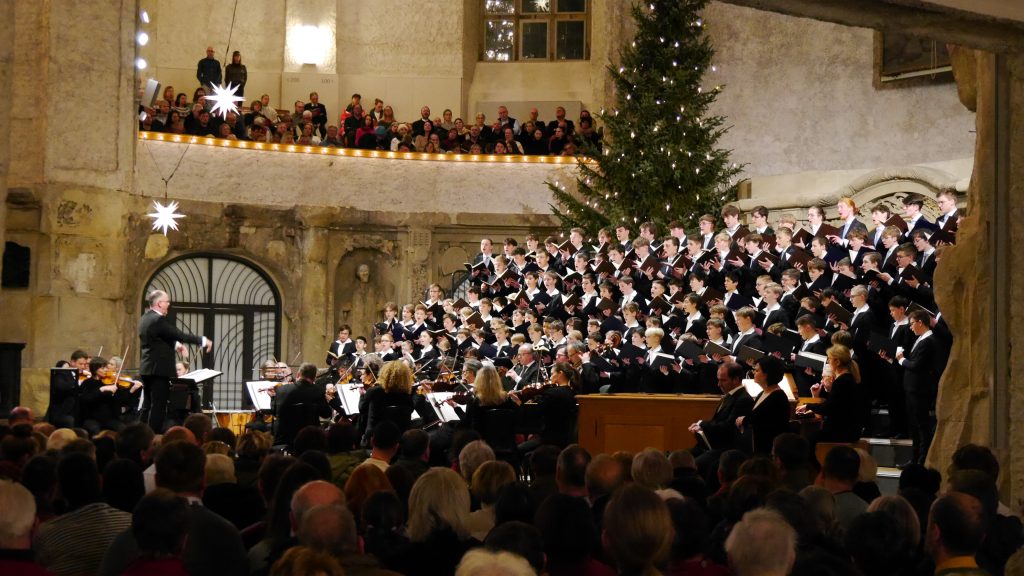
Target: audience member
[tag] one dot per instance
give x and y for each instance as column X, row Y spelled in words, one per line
column 956, row 528
column 159, row 525
column 839, row 475
column 438, row 524
column 761, row 544
column 74, row 542
column 17, row 524
column 213, row 546
column 521, row 539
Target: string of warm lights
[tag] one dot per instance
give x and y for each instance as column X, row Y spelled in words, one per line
column 355, row 152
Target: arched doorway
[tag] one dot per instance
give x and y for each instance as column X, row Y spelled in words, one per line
column 232, row 302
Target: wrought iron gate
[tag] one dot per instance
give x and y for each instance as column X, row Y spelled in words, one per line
column 233, row 303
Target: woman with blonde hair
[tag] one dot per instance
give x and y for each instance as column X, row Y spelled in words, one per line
column 638, row 530
column 391, row 400
column 843, row 408
column 438, row 524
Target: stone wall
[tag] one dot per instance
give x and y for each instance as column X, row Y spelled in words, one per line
column 798, row 94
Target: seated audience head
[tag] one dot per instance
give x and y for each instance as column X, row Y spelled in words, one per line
column 484, row 562
column 181, row 468
column 841, row 468
column 306, row 561
column 822, row 505
column 60, row 438
column 200, row 425
column 516, row 502
column 17, row 516
column 439, row 501
column 384, row 439
column 220, row 469
column 365, row 480
column 160, row 523
column 309, row 438
column 651, row 469
column 489, row 479
column 568, row 529
column 691, row 530
column 414, row 445
column 472, row 456
column 604, row 475
column 571, row 470
column 761, row 544
column 956, row 526
column 877, row 544
column 900, row 513
column 521, row 539
column 729, row 466
column 791, row 451
column 79, row 480
column 341, row 437
column 975, row 457
column 637, row 529
column 123, row 484
column 329, row 528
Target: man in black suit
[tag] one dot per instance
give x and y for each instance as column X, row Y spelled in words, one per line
column 528, row 370
column 720, row 431
column 213, row 546
column 159, row 338
column 921, row 382
column 301, row 406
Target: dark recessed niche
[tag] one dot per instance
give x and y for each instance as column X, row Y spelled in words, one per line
column 17, row 263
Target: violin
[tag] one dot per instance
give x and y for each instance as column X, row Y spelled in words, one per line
column 463, row 397
column 531, row 391
column 121, row 381
column 441, row 385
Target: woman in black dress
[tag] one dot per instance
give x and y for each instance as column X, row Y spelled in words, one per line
column 770, row 416
column 843, row 407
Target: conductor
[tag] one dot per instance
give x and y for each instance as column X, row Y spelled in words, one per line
column 159, row 338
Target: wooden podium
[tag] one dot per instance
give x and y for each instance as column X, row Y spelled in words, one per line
column 632, row 422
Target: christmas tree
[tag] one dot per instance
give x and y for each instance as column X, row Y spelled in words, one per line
column 659, row 160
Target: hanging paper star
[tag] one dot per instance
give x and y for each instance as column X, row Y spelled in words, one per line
column 165, row 217
column 224, row 100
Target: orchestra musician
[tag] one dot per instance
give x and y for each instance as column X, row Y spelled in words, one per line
column 557, row 400
column 304, row 405
column 62, row 411
column 99, row 403
column 159, row 339
column 390, row 400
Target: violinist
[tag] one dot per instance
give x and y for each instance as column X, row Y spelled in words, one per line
column 487, row 393
column 372, row 364
column 64, row 389
column 132, row 389
column 557, row 399
column 100, row 404
column 297, row 408
column 391, row 400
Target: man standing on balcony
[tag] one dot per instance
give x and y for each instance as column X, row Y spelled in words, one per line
column 208, row 70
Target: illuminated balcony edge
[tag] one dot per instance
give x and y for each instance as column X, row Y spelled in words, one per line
column 357, row 152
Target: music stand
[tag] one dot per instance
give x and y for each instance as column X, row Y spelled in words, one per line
column 182, row 388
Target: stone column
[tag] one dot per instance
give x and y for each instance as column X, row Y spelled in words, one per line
column 981, row 296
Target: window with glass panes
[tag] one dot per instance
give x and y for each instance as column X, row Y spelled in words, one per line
column 525, row 30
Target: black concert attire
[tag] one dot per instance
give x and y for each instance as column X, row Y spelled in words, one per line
column 768, row 418
column 303, row 406
column 842, row 411
column 157, row 336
